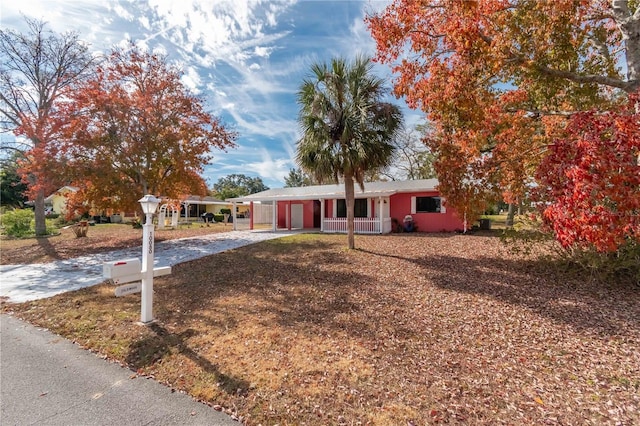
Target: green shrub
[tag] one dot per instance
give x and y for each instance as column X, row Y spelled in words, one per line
column 17, row 223
column 223, row 211
column 218, row 217
column 621, row 266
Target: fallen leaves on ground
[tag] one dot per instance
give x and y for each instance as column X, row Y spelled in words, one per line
column 407, row 329
column 100, row 238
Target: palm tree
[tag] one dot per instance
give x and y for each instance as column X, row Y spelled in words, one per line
column 347, row 129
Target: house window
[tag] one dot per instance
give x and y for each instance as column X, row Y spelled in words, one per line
column 359, row 210
column 427, row 204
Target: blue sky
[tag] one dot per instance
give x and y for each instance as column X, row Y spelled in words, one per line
column 245, row 58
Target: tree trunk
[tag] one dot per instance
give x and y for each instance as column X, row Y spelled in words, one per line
column 629, row 25
column 350, row 201
column 510, row 215
column 41, row 224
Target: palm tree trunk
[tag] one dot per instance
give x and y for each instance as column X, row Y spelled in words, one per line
column 350, row 201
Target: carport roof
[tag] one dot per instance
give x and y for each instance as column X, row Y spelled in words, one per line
column 317, row 192
column 194, row 199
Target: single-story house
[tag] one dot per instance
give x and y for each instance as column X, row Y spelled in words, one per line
column 57, row 201
column 192, row 207
column 196, row 206
column 323, row 207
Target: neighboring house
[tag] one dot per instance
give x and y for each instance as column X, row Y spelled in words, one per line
column 57, row 202
column 195, row 207
column 323, row 207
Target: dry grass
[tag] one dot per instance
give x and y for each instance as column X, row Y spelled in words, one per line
column 406, row 330
column 100, row 238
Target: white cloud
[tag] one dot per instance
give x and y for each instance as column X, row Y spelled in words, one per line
column 144, row 21
column 122, row 13
column 272, row 169
column 191, row 78
column 245, row 57
column 262, row 52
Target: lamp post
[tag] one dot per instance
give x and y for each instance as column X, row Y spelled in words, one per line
column 149, row 205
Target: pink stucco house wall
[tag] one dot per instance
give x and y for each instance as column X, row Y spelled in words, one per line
column 322, row 207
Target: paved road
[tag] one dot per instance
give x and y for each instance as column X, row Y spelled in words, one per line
column 20, row 283
column 47, row 380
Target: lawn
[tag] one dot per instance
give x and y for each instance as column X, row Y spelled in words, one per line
column 100, row 238
column 409, row 329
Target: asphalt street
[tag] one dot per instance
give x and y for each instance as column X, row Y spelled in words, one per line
column 47, row 380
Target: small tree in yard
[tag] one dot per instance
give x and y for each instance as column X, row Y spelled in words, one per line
column 347, row 129
column 17, row 223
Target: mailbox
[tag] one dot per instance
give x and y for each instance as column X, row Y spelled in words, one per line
column 122, row 271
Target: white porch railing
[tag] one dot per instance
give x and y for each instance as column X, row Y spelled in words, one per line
column 361, row 225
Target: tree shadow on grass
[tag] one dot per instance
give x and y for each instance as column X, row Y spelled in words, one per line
column 601, row 307
column 152, row 349
column 277, row 287
column 48, row 248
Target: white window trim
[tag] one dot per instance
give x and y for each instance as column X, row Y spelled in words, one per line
column 443, row 209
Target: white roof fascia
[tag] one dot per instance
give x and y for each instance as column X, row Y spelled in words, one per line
column 316, row 192
column 314, row 196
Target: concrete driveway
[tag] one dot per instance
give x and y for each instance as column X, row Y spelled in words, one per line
column 21, row 283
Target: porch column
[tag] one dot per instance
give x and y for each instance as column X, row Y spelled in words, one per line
column 289, row 215
column 251, row 215
column 322, row 215
column 274, row 214
column 380, row 213
column 233, row 214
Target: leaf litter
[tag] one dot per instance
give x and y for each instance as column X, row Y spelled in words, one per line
column 406, row 329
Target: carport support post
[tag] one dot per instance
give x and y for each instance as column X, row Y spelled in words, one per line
column 274, row 215
column 233, row 215
column 251, row 215
column 149, row 205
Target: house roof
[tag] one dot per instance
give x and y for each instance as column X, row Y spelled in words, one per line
column 60, row 191
column 316, row 192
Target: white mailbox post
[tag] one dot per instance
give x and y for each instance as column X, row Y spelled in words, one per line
column 129, row 270
column 149, row 205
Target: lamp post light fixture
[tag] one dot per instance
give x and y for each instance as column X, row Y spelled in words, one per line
column 149, row 205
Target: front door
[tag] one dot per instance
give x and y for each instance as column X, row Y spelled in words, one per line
column 297, row 216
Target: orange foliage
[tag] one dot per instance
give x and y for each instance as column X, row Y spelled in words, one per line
column 135, row 129
column 498, row 79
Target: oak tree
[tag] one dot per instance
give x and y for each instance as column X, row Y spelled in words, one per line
column 297, row 178
column 412, row 159
column 38, row 67
column 136, row 129
column 500, row 79
column 237, row 185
